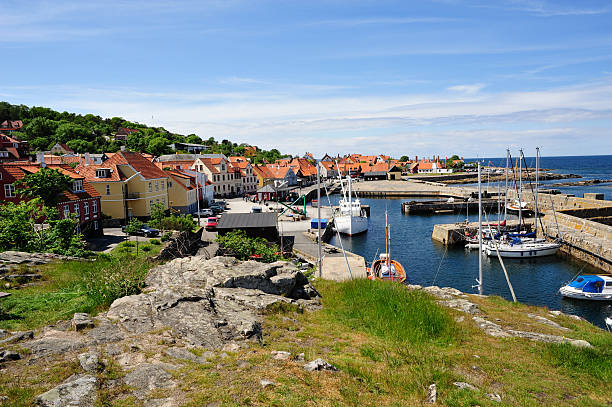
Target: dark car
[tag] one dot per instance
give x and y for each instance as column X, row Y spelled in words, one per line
column 216, row 209
column 144, row 230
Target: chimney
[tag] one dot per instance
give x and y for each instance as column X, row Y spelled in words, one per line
column 40, row 158
column 416, row 158
column 87, row 159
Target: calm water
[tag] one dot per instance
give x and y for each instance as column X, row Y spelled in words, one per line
column 426, row 262
column 588, row 167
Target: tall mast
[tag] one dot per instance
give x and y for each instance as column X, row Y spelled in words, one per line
column 506, row 192
column 319, row 219
column 520, row 194
column 536, row 189
column 479, row 233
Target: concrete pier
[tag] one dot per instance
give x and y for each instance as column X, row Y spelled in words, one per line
column 451, row 234
column 433, row 207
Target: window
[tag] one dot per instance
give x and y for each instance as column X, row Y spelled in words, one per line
column 150, row 187
column 163, row 185
column 86, row 208
column 95, row 225
column 77, row 185
column 102, row 173
column 223, row 177
column 66, row 212
column 107, row 189
column 9, row 191
column 77, row 210
column 94, row 206
column 164, row 201
column 151, row 203
column 157, row 185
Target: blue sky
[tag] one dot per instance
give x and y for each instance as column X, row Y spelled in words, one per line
column 396, row 77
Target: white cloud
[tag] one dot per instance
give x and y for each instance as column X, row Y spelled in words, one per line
column 468, row 89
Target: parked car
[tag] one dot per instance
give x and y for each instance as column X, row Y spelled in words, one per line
column 205, row 212
column 144, row 230
column 211, row 223
column 216, row 209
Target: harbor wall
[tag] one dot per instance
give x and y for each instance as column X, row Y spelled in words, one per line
column 561, row 201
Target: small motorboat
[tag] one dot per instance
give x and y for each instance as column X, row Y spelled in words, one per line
column 589, row 287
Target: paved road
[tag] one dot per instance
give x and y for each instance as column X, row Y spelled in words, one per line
column 111, row 238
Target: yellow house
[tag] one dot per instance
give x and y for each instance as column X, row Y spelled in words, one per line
column 182, row 192
column 128, row 183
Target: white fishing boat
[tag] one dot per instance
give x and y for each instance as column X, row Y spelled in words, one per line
column 589, row 287
column 351, row 218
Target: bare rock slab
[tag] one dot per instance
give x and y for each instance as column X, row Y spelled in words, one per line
column 81, row 320
column 78, row 392
column 319, row 364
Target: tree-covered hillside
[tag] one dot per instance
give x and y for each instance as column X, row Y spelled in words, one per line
column 43, row 127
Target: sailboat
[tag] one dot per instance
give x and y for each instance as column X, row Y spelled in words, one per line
column 351, row 219
column 514, row 246
column 384, row 268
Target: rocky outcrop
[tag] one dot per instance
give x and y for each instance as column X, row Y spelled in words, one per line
column 79, row 392
column 211, row 302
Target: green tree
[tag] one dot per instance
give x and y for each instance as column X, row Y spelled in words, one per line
column 18, row 225
column 133, row 226
column 158, row 146
column 40, row 127
column 404, row 158
column 47, row 184
column 70, row 131
column 192, row 138
column 158, row 212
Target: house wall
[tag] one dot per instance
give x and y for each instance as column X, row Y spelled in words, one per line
column 90, row 215
column 113, row 203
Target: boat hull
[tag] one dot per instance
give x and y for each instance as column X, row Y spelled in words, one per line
column 571, row 292
column 522, row 251
column 351, row 225
column 398, row 274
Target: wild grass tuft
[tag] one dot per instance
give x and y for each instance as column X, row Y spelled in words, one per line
column 596, row 362
column 388, row 310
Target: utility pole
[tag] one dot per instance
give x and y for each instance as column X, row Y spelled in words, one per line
column 198, row 196
column 319, row 218
column 479, row 234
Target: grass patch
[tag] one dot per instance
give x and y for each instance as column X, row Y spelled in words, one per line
column 388, row 310
column 596, row 362
column 73, row 286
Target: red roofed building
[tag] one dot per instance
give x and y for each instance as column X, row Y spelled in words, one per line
column 123, row 133
column 12, row 149
column 9, row 126
column 61, row 148
column 304, row 170
column 81, row 199
column 247, row 177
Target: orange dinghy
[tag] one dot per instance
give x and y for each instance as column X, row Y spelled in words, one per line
column 387, row 270
column 384, row 268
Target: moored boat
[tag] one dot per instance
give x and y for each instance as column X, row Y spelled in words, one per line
column 384, row 268
column 589, row 287
column 351, row 218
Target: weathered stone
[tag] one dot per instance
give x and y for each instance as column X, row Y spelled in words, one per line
column 464, row 385
column 81, row 320
column 53, row 342
column 184, row 354
column 266, row 383
column 149, row 376
column 459, row 319
column 231, row 347
column 462, row 305
column 539, row 337
column 494, row 397
column 105, row 332
column 491, row 328
column 78, row 392
column 432, row 394
column 319, row 364
column 300, row 357
column 280, row 355
column 33, row 259
column 17, row 337
column 548, row 322
column 7, row 355
column 207, row 302
column 3, row 333
column 90, row 362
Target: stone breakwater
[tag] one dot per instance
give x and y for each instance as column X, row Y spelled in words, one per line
column 189, row 303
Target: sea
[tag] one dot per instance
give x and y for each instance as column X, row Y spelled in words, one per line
column 535, row 281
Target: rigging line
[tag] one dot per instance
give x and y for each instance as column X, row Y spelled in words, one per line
column 338, row 233
column 440, row 265
column 502, row 264
column 538, row 218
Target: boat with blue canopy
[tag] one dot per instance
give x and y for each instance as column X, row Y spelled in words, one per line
column 589, row 287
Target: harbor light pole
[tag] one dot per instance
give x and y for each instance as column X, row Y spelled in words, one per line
column 479, row 234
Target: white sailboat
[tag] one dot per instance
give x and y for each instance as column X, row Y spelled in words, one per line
column 351, row 219
column 517, row 248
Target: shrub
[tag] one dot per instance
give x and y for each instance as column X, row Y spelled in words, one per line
column 146, row 248
column 181, row 223
column 128, row 244
column 166, row 236
column 155, row 242
column 242, row 247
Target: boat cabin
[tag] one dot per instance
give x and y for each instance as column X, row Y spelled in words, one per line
column 593, row 284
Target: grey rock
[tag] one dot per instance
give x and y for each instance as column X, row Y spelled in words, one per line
column 432, row 394
column 555, row 313
column 459, row 319
column 464, row 385
column 17, row 337
column 23, row 278
column 494, row 397
column 280, row 355
column 319, row 364
column 243, row 364
column 113, row 349
column 81, row 320
column 149, row 376
column 3, row 333
column 462, row 305
column 539, row 337
column 79, row 392
column 90, row 362
column 7, row 355
column 184, row 354
column 266, row 383
column 491, row 328
column 231, row 347
column 548, row 322
column 105, row 332
column 300, row 357
column 54, row 342
column 208, row 303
